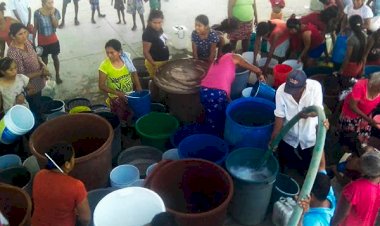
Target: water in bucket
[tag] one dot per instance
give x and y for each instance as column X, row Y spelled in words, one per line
column 248, row 173
column 251, row 118
column 17, row 121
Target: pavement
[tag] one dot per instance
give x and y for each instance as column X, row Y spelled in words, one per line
column 82, row 47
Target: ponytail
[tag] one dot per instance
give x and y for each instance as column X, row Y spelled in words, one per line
column 356, row 24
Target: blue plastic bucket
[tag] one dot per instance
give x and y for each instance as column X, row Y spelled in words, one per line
column 171, row 154
column 260, row 89
column 249, row 122
column 150, row 169
column 204, row 146
column 189, row 130
column 17, row 121
column 124, row 175
column 11, row 160
column 240, row 82
column 284, row 186
column 371, row 69
column 138, row 183
column 340, row 48
column 139, row 103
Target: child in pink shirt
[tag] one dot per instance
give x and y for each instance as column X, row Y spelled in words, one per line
column 359, row 203
column 216, row 87
column 358, row 105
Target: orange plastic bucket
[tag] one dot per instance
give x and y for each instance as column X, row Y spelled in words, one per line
column 281, row 72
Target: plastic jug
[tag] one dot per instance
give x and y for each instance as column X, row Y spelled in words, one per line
column 179, row 38
column 282, row 211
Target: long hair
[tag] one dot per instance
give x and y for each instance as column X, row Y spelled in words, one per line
column 356, row 24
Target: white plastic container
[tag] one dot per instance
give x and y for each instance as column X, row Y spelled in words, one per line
column 294, row 64
column 17, row 121
column 272, row 63
column 282, row 211
column 128, row 207
column 180, row 37
column 171, row 154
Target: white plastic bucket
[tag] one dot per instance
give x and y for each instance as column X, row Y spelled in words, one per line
column 179, row 38
column 261, row 62
column 124, row 175
column 128, row 207
column 246, row 92
column 248, row 56
column 17, row 121
column 294, row 64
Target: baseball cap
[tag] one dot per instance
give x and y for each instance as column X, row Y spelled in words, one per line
column 295, row 82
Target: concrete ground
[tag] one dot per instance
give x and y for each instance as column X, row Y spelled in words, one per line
column 82, row 47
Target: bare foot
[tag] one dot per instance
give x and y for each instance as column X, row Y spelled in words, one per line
column 118, row 22
column 125, row 22
column 102, row 15
column 93, row 21
column 134, row 28
column 61, row 25
column 76, row 22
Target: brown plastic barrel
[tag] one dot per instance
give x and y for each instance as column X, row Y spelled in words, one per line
column 15, row 205
column 196, row 191
column 92, row 169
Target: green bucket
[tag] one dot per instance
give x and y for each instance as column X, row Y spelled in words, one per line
column 252, row 192
column 156, row 128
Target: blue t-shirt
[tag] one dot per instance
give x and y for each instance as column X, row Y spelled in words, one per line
column 204, row 45
column 321, row 216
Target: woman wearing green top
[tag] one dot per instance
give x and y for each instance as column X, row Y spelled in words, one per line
column 245, row 12
column 117, row 78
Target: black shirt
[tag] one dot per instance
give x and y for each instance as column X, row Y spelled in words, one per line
column 159, row 50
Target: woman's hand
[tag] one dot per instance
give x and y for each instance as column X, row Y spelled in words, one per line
column 261, row 78
column 373, row 123
column 120, row 94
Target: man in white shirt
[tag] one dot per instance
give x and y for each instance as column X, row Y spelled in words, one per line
column 21, row 10
column 64, row 6
column 295, row 150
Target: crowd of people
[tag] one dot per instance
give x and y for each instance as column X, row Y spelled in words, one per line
column 23, row 74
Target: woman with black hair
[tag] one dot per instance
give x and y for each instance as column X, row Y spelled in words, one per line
column 204, row 40
column 59, row 199
column 155, row 49
column 326, row 21
column 277, row 34
column 226, row 26
column 353, row 62
column 307, row 43
column 216, row 86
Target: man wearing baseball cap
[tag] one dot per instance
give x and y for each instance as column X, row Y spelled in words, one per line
column 295, row 149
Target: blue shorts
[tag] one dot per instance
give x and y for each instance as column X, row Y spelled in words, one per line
column 317, row 52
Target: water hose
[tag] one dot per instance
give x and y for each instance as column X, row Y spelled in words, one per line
column 315, row 160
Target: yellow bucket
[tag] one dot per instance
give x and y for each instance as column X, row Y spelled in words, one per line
column 79, row 109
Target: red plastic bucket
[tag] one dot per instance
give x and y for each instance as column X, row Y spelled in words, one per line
column 280, row 73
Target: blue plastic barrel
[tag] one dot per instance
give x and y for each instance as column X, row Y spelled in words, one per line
column 249, row 122
column 204, row 146
column 139, row 103
column 124, row 175
column 284, row 186
column 10, row 160
column 371, row 69
column 252, row 188
column 240, row 82
column 260, row 89
column 189, row 130
column 340, row 47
